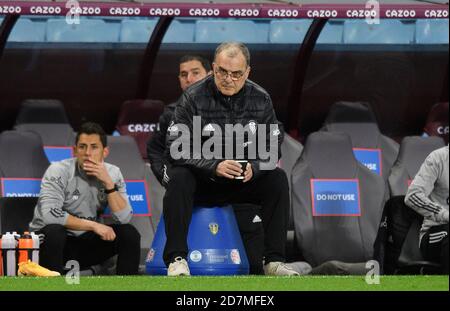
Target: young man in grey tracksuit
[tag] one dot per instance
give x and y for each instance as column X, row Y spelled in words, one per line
column 74, row 194
column 428, row 195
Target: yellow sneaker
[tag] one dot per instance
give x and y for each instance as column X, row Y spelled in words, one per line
column 30, row 268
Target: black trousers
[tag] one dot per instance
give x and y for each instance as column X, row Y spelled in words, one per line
column 434, row 246
column 89, row 249
column 252, row 234
column 270, row 191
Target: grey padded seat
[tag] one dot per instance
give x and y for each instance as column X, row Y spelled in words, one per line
column 42, row 111
column 22, row 155
column 16, row 214
column 413, row 151
column 52, row 134
column 125, row 154
column 291, row 150
column 329, row 155
column 358, row 120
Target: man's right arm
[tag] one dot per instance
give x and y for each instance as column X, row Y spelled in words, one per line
column 51, row 200
column 51, row 197
column 157, row 144
column 184, row 114
column 105, row 232
column 417, row 196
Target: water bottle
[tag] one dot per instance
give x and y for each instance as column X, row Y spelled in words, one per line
column 25, row 247
column 9, row 254
column 35, row 256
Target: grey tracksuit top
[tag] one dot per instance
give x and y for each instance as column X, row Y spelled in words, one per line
column 428, row 192
column 67, row 190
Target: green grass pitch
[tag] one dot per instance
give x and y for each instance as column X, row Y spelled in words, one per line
column 236, row 283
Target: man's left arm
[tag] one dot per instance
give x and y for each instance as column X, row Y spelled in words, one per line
column 274, row 137
column 117, row 200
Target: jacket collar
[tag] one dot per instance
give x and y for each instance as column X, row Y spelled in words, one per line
column 219, row 95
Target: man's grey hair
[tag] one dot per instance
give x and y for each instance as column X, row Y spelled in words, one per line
column 232, row 49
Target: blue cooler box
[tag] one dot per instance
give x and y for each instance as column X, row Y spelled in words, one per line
column 215, row 244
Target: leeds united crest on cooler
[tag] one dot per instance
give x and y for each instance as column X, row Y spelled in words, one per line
column 214, row 228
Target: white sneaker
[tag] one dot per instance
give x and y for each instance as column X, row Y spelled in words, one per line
column 178, row 268
column 302, row 267
column 279, row 268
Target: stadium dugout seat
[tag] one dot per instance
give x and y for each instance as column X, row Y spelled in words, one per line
column 288, row 31
column 376, row 151
column 88, row 30
column 411, row 260
column 52, row 134
column 42, row 111
column 22, row 155
column 432, row 31
column 217, row 31
column 58, row 138
column 136, row 31
column 332, row 33
column 294, row 31
column 139, row 31
column 139, row 119
column 437, row 122
column 337, row 202
column 125, row 154
column 26, row 30
column 389, row 31
column 16, row 214
column 291, row 150
column 413, row 151
column 22, row 164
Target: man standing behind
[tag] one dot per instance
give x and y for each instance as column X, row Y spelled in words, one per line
column 428, row 195
column 74, row 194
column 193, row 68
column 226, row 98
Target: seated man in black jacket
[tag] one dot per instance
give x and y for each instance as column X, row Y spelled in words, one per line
column 193, row 68
column 214, row 104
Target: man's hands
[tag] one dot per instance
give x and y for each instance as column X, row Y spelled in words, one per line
column 231, row 169
column 106, row 233
column 98, row 169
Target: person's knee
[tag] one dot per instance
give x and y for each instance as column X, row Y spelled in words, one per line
column 278, row 179
column 181, row 178
column 54, row 235
column 128, row 233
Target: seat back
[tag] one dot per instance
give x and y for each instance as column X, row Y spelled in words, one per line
column 291, row 150
column 387, row 32
column 57, row 138
column 337, row 202
column 410, row 256
column 376, row 151
column 139, row 31
column 22, row 155
column 413, row 151
column 437, row 121
column 42, row 111
column 52, row 134
column 88, row 30
column 16, row 214
column 139, row 119
column 294, row 31
column 216, row 31
column 432, row 31
column 125, row 154
column 26, row 30
column 410, row 250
